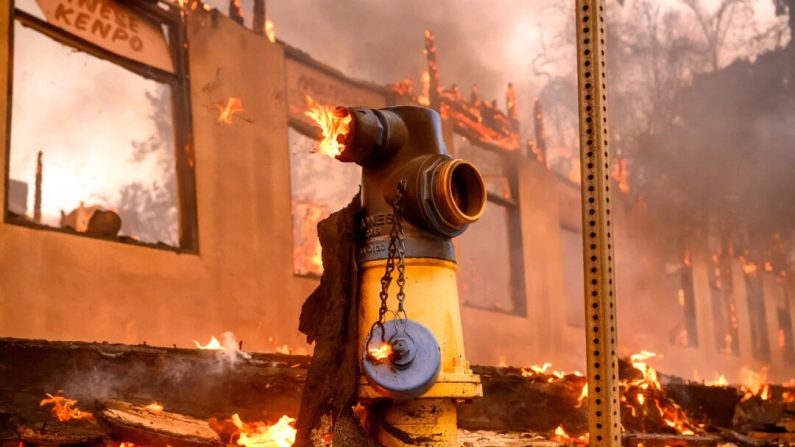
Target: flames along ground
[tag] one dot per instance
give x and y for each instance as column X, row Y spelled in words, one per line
column 643, row 397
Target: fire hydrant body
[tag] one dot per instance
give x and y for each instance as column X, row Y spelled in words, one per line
column 442, row 197
column 429, row 420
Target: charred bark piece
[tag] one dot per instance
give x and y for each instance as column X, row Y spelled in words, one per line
column 715, row 404
column 134, row 423
column 328, row 317
column 61, row 434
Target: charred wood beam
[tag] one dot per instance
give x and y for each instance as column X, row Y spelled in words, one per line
column 193, row 382
column 135, row 423
column 235, row 12
column 258, row 18
column 515, row 403
column 204, row 384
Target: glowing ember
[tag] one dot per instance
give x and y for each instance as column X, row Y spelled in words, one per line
column 258, row 434
column 560, row 435
column 213, row 345
column 270, row 31
column 380, row 353
column 65, row 409
column 154, row 407
column 233, row 105
column 334, row 122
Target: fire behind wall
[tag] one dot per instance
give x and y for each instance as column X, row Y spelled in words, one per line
column 57, row 285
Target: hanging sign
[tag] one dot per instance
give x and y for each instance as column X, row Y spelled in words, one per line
column 108, row 24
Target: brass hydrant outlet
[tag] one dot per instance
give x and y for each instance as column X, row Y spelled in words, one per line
column 412, row 384
column 460, row 193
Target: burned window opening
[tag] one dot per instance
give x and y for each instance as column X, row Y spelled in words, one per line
column 319, row 185
column 760, row 343
column 494, row 242
column 724, row 307
column 685, row 331
column 157, row 209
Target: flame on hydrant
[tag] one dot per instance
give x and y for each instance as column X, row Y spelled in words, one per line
column 380, row 353
column 335, row 124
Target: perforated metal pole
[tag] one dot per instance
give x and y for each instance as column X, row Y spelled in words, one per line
column 604, row 421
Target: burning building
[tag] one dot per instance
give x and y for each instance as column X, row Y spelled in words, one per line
column 218, row 189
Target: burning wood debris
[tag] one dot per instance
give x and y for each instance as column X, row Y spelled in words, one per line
column 200, row 399
column 141, row 425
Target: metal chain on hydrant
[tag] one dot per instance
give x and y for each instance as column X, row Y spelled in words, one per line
column 397, row 249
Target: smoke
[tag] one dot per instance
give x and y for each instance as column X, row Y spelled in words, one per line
column 231, row 353
column 112, row 378
column 487, row 43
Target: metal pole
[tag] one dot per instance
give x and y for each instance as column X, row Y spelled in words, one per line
column 604, row 421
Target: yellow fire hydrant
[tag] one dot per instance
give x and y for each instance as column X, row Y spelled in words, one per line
column 415, row 199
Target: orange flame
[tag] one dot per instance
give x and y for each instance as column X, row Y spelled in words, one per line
column 335, row 124
column 154, row 407
column 258, row 434
column 754, row 384
column 425, row 99
column 65, row 409
column 380, row 353
column 544, row 371
column 270, row 31
column 749, row 267
column 308, row 254
column 583, row 396
column 647, row 390
column 213, row 345
column 283, row 349
column 233, row 105
column 720, row 382
column 560, row 435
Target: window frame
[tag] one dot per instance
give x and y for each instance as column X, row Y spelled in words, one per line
column 161, row 13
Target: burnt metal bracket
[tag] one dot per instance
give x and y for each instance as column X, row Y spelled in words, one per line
column 604, row 420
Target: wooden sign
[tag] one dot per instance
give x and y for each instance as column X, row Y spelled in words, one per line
column 110, row 25
column 326, row 89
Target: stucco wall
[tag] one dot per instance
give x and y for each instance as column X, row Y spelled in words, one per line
column 62, row 286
